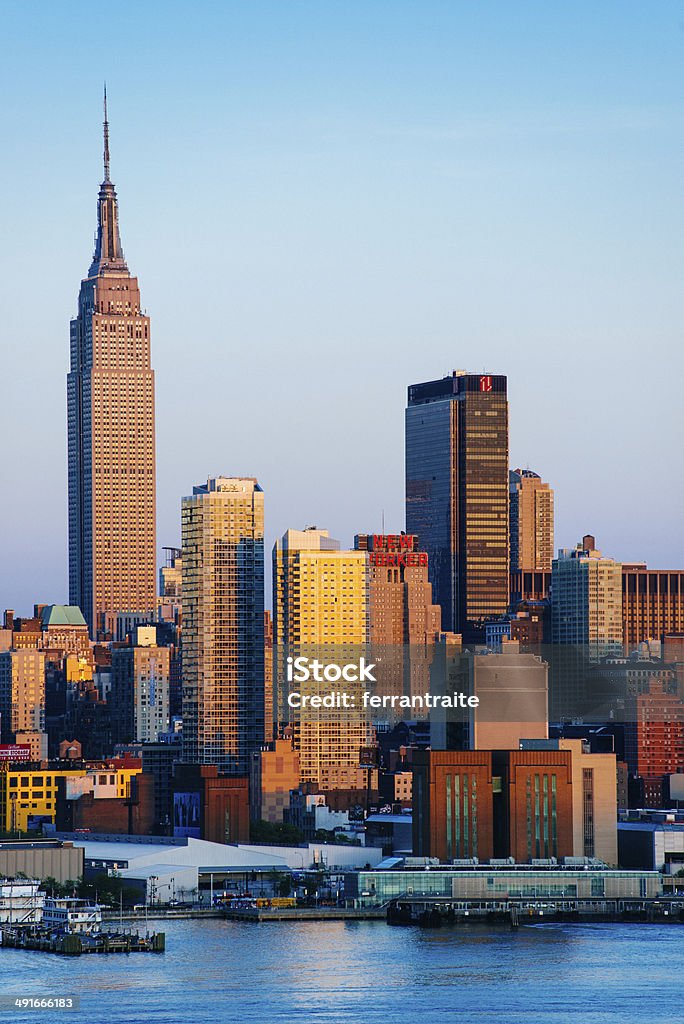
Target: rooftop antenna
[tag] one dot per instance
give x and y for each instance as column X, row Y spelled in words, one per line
column 106, row 137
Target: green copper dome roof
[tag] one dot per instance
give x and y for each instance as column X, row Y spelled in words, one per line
column 62, row 615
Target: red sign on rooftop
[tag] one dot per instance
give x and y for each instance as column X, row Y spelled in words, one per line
column 399, row 549
column 393, row 542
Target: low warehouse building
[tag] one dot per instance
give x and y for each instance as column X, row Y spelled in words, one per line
column 40, row 858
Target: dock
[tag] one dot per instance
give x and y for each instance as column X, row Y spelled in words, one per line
column 261, row 914
column 43, row 940
column 161, row 914
column 438, row 912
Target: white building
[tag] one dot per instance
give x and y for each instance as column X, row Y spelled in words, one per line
column 169, row 869
column 21, row 902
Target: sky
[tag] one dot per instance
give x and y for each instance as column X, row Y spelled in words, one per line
column 325, row 202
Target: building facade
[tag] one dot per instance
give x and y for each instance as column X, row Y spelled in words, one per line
column 320, row 596
column 170, row 604
column 223, row 623
column 140, row 689
column 529, row 586
column 275, row 771
column 550, row 798
column 400, row 595
column 654, row 742
column 111, row 446
column 503, row 882
column 29, row 792
column 207, row 805
column 531, row 522
column 652, row 604
column 403, row 622
column 269, row 706
column 22, row 699
column 40, row 858
column 457, row 494
column 453, row 804
column 513, row 693
column 595, row 801
column 586, row 602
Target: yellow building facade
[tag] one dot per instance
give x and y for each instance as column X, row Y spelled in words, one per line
column 31, row 791
column 321, row 610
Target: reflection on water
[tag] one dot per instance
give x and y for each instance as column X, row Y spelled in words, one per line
column 343, row 973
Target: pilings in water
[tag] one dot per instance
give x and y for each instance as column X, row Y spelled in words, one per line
column 43, row 940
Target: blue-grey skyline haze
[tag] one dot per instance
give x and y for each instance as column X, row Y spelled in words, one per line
column 325, row 203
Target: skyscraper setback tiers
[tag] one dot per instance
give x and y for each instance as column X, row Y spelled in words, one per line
column 111, row 436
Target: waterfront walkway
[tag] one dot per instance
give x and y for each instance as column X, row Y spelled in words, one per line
column 307, row 914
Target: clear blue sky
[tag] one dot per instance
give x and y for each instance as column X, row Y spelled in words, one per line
column 327, row 201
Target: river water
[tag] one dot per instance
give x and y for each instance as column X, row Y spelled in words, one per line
column 367, row 972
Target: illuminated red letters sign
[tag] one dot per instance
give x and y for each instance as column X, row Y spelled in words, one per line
column 393, row 542
column 398, row 558
column 486, row 383
column 395, row 549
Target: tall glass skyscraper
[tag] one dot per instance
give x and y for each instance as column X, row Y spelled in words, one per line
column 223, row 623
column 111, row 451
column 457, row 494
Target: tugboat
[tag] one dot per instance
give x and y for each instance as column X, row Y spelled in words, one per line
column 68, row 914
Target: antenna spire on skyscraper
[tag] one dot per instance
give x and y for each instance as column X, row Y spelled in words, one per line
column 106, row 137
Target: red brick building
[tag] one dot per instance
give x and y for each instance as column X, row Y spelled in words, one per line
column 483, row 803
column 654, row 742
column 652, row 603
column 453, row 804
column 537, row 802
column 210, row 806
column 131, row 815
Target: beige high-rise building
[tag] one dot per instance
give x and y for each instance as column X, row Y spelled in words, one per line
column 400, row 597
column 140, row 689
column 223, row 623
column 269, row 706
column 22, row 700
column 111, row 450
column 586, row 601
column 320, row 597
column 513, row 692
column 404, row 624
column 594, row 802
column 531, row 522
column 274, row 773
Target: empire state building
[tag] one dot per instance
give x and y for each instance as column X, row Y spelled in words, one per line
column 111, row 448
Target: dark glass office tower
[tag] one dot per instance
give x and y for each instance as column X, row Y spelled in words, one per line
column 457, row 494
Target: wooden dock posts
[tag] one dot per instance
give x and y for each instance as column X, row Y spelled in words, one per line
column 75, row 944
